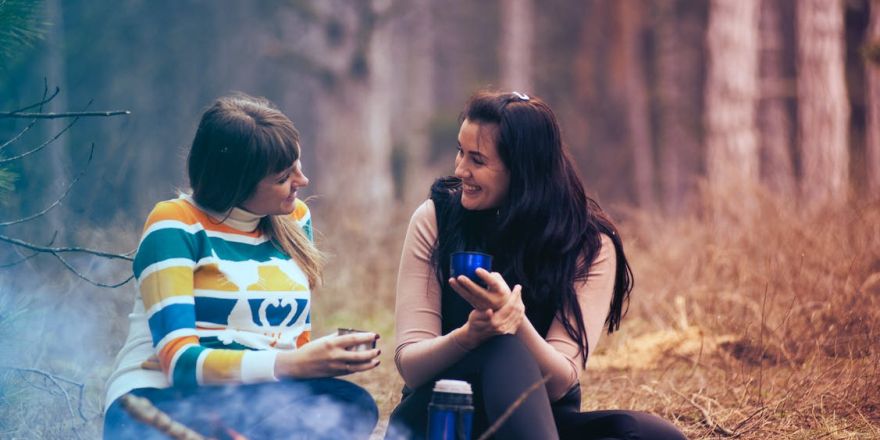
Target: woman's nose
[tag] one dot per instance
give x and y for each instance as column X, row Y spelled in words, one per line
column 460, row 169
column 300, row 181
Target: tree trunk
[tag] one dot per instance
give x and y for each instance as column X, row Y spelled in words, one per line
column 414, row 101
column 872, row 76
column 635, row 94
column 517, row 38
column 731, row 93
column 353, row 138
column 823, row 108
column 775, row 120
column 679, row 62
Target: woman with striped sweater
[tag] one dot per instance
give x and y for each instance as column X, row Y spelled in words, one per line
column 220, row 335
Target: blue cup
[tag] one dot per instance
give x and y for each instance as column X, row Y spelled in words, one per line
column 466, row 263
column 451, row 411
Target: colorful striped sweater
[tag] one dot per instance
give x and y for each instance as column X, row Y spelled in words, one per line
column 215, row 303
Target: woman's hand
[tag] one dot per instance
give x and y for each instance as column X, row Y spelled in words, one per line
column 328, row 357
column 484, row 324
column 493, row 296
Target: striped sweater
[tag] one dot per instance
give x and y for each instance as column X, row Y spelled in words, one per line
column 215, row 304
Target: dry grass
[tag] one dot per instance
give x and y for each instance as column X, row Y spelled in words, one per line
column 750, row 320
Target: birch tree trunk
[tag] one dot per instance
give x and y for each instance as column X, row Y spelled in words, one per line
column 775, row 121
column 679, row 31
column 823, row 107
column 731, row 93
column 872, row 77
column 517, row 41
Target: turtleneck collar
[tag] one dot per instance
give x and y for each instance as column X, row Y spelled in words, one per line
column 236, row 218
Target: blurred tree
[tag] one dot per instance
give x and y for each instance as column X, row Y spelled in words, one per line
column 823, row 106
column 413, row 98
column 516, row 45
column 872, row 76
column 627, row 56
column 777, row 88
column 347, row 48
column 679, row 58
column 731, row 94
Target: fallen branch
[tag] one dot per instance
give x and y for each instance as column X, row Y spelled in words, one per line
column 707, row 418
column 54, row 378
column 144, row 411
column 516, row 404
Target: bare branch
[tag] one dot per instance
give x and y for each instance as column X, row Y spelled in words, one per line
column 39, row 105
column 19, row 135
column 63, row 115
column 142, row 409
column 44, row 144
column 513, row 406
column 28, row 257
column 87, row 279
column 57, row 201
column 44, row 101
column 60, row 250
column 54, row 378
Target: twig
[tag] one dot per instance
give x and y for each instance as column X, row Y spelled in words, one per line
column 63, row 115
column 45, row 99
column 54, row 379
column 87, row 279
column 41, row 146
column 32, row 255
column 60, row 250
column 510, row 409
column 707, row 418
column 40, row 105
column 59, row 199
column 144, row 411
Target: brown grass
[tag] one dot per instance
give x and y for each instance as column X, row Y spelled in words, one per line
column 753, row 320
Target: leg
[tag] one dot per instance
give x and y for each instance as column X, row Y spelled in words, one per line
column 619, row 424
column 500, row 371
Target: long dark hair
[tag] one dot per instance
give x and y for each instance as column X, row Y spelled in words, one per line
column 240, row 140
column 546, row 233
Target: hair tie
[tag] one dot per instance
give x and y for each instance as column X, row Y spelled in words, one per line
column 521, row 96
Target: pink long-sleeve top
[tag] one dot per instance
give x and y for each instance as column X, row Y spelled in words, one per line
column 423, row 352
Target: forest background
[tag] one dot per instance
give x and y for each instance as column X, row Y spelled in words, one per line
column 737, row 142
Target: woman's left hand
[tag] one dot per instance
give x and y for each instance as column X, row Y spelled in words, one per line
column 484, row 324
column 493, row 296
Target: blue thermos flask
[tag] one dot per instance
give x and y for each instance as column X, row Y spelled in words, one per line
column 451, row 411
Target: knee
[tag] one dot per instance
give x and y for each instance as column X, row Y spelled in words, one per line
column 503, row 346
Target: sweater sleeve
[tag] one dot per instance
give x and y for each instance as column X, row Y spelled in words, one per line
column 422, row 352
column 167, row 257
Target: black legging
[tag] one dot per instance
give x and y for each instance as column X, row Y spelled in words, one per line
column 500, row 371
column 296, row 409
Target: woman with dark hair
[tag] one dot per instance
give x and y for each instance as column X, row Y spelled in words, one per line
column 220, row 335
column 516, row 196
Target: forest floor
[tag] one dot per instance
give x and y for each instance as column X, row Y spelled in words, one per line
column 747, row 321
column 754, row 319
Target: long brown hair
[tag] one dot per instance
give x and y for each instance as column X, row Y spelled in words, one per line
column 240, row 140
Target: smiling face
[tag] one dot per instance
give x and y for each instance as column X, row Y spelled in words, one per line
column 276, row 193
column 484, row 177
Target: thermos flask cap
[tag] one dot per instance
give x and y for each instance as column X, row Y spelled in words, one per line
column 452, row 386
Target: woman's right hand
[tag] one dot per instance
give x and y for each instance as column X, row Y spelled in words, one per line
column 484, row 324
column 328, row 357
